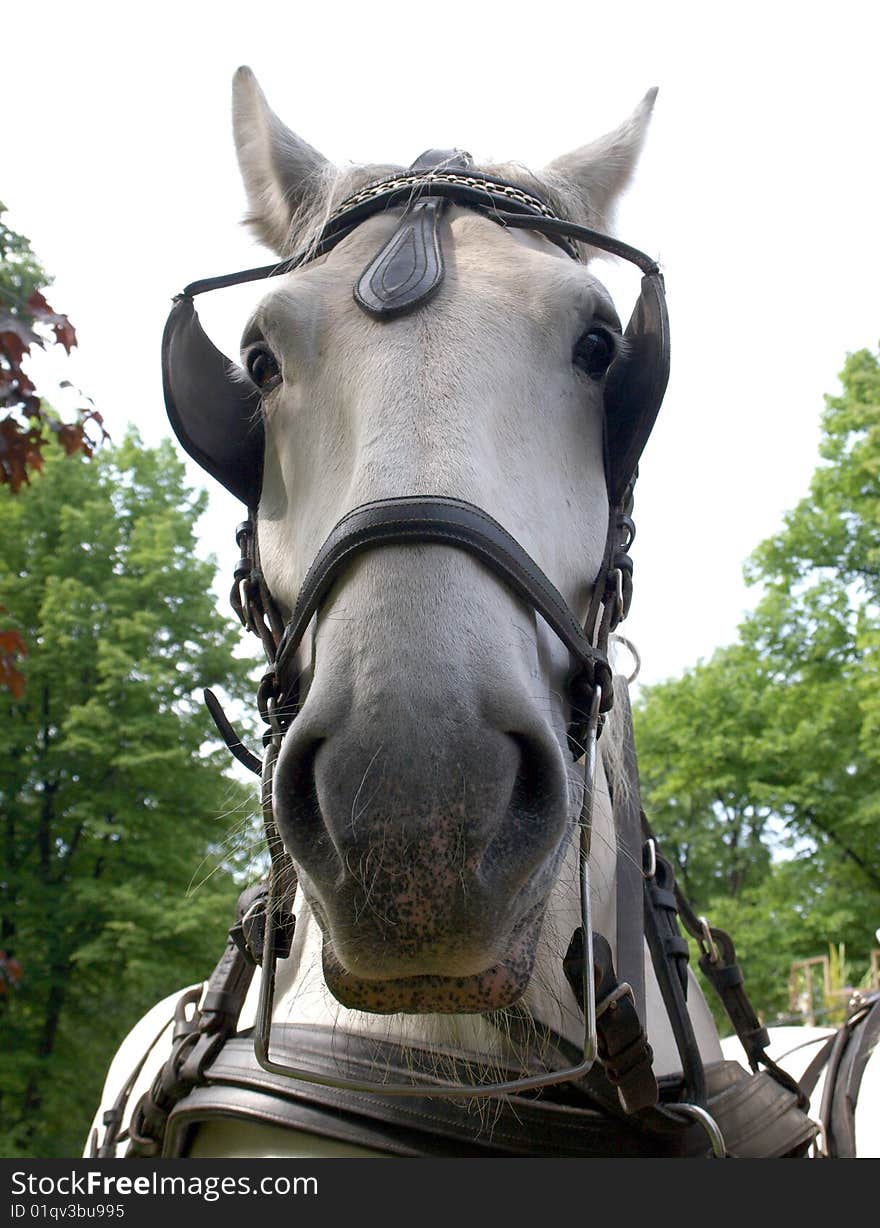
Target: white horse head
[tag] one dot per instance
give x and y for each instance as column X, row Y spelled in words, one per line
column 425, row 788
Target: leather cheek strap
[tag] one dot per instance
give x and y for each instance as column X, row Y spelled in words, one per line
column 444, row 521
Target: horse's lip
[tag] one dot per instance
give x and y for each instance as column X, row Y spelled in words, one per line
column 500, row 985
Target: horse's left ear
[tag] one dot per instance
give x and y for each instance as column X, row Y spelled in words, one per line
column 278, row 167
column 601, row 171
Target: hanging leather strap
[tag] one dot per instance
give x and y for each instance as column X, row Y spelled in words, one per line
column 855, row 1043
column 623, row 1045
column 627, row 811
column 719, row 965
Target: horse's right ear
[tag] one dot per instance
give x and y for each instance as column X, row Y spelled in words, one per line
column 601, row 171
column 277, row 166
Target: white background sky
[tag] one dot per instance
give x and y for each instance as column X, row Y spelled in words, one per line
column 757, row 190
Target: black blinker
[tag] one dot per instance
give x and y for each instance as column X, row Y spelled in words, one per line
column 635, row 385
column 216, row 417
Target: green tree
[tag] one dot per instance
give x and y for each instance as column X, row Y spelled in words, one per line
column 699, row 739
column 818, row 629
column 762, row 765
column 119, row 845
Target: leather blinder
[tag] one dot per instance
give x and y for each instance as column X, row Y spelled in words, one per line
column 216, row 418
column 635, row 386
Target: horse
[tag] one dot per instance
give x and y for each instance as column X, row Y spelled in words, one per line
column 468, row 942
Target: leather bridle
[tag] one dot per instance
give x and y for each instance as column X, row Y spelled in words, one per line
column 406, row 273
column 218, row 421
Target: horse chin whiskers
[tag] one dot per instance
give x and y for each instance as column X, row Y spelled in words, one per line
column 461, row 1050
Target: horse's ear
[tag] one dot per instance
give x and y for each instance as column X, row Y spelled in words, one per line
column 277, row 166
column 601, row 171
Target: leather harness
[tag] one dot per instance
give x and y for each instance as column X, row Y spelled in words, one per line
column 616, row 1106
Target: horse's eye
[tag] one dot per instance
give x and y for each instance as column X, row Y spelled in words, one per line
column 262, row 367
column 594, row 352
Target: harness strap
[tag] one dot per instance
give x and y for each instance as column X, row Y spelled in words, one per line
column 623, row 1045
column 719, row 965
column 630, row 874
column 669, row 955
column 757, row 1116
column 853, row 1045
column 843, row 1057
column 810, row 1077
column 195, row 1043
column 515, row 1126
column 445, row 521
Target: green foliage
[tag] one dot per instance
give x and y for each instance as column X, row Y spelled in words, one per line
column 762, row 765
column 20, row 272
column 699, row 775
column 121, row 834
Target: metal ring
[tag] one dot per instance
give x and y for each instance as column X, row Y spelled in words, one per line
column 651, row 847
column 630, row 647
column 709, row 1124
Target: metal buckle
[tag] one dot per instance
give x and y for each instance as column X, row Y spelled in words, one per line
column 615, row 578
column 265, row 1006
column 707, row 942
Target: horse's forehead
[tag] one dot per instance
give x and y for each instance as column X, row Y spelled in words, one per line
column 479, row 255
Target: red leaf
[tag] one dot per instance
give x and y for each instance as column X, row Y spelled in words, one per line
column 11, row 641
column 12, row 679
column 13, row 347
column 65, row 333
column 70, row 435
column 12, row 646
column 40, row 310
column 11, row 973
column 20, row 451
column 12, row 324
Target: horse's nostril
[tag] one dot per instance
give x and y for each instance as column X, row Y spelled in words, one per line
column 295, row 798
column 536, row 778
column 530, row 831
